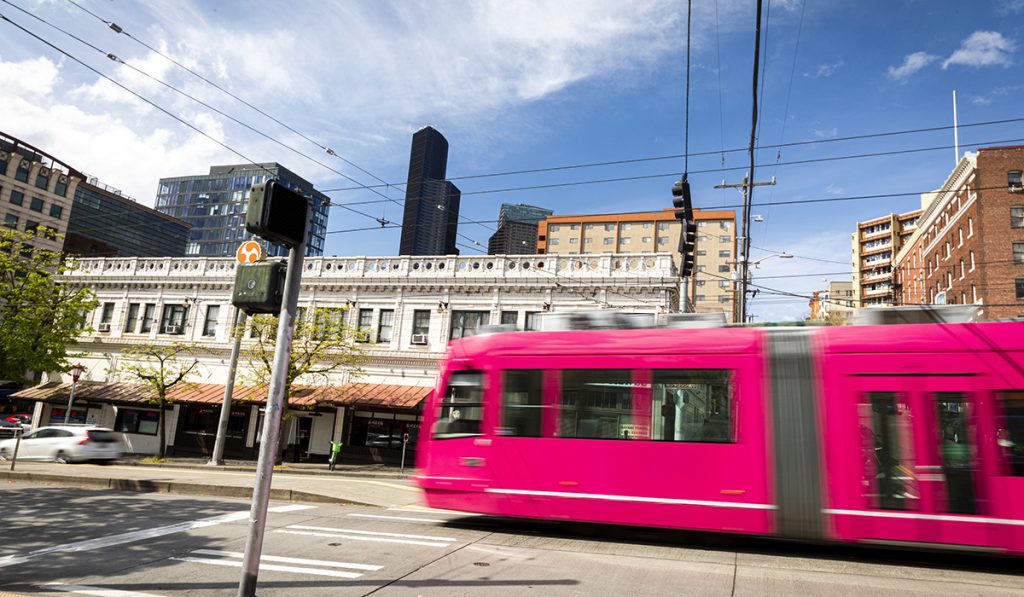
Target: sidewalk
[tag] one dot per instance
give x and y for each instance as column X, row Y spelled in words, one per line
column 297, row 482
column 382, row 471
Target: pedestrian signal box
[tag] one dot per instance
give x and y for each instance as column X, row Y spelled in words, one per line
column 277, row 213
column 259, row 287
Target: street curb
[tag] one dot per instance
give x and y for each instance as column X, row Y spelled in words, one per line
column 175, row 487
column 285, row 471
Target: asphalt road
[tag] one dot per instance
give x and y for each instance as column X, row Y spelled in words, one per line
column 64, row 541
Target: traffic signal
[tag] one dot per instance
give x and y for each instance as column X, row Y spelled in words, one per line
column 277, row 213
column 259, row 287
column 688, row 234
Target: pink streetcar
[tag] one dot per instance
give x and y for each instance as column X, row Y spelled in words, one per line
column 897, row 434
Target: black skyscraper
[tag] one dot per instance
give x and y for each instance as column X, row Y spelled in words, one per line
column 430, row 222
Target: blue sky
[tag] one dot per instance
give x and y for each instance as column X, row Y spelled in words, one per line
column 523, row 85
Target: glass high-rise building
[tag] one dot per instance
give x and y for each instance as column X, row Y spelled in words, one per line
column 431, row 219
column 214, row 204
column 517, row 230
column 104, row 223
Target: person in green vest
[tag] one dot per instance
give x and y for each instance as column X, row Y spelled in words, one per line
column 335, row 454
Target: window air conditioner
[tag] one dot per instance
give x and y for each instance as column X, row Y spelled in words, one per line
column 1016, row 188
column 173, row 329
column 419, row 338
column 103, row 327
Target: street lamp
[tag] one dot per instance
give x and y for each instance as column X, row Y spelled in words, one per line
column 76, row 372
column 736, row 276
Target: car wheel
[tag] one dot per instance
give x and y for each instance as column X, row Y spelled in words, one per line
column 61, row 457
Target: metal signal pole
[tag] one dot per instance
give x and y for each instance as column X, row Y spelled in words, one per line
column 229, row 389
column 743, row 242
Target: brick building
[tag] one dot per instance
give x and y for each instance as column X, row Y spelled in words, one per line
column 875, row 244
column 969, row 245
column 712, row 289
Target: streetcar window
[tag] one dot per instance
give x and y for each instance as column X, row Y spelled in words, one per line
column 886, row 426
column 1010, row 431
column 522, row 403
column 692, row 405
column 596, row 404
column 462, row 406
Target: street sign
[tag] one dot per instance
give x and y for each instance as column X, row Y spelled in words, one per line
column 249, row 252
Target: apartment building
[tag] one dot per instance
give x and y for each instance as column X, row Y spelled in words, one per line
column 36, row 191
column 627, row 234
column 969, row 243
column 875, row 244
column 834, row 304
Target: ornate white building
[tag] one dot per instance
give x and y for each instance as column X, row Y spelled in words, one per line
column 408, row 308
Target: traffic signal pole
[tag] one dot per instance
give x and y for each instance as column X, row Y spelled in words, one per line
column 743, row 242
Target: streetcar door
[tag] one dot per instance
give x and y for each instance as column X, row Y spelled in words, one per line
column 460, row 434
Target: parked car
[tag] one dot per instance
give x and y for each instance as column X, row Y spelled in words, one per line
column 8, row 429
column 66, row 444
column 24, row 420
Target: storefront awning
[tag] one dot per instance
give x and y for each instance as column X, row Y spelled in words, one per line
column 365, row 395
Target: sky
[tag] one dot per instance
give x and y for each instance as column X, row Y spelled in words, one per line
column 524, row 85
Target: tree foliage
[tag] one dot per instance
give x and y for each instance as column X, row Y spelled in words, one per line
column 322, row 345
column 40, row 314
column 159, row 367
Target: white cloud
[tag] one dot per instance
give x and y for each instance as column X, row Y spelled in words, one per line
column 1007, row 7
column 833, row 189
column 825, row 134
column 982, row 48
column 911, row 64
column 825, row 70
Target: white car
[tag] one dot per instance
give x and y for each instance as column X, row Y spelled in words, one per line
column 66, row 444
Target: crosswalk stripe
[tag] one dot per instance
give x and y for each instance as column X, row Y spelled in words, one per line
column 272, row 567
column 400, row 535
column 407, row 518
column 285, row 560
column 96, row 591
column 363, row 538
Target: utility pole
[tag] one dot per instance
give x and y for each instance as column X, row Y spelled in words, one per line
column 229, row 389
column 743, row 259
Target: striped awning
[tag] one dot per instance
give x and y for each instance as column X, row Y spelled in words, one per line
column 351, row 394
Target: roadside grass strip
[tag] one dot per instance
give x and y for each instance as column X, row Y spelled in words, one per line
column 233, row 559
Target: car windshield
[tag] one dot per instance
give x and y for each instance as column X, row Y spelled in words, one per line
column 102, row 436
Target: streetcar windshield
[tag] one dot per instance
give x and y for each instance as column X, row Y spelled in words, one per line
column 462, row 406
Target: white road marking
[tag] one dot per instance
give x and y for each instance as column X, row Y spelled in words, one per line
column 97, row 591
column 401, row 535
column 284, row 560
column 421, row 509
column 363, row 538
column 109, row 541
column 381, row 516
column 273, row 567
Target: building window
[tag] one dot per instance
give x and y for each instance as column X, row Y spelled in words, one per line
column 36, row 204
column 31, row 226
column 701, row 268
column 466, row 323
column 645, row 239
column 42, row 181
column 1019, row 286
column 700, row 282
column 108, row 315
column 11, row 221
column 723, row 299
column 625, row 241
column 589, row 240
column 701, row 298
column 963, row 269
column 647, row 225
column 948, row 245
column 131, row 321
column 553, row 242
column 724, row 283
column 553, row 228
column 143, row 422
column 609, row 241
column 574, row 227
column 974, row 293
column 701, row 253
column 724, row 238
column 662, row 240
column 702, row 224
column 385, row 325
column 420, row 324
column 1013, row 180
column 148, row 318
column 625, row 226
column 61, row 188
column 365, row 325
column 725, row 253
column 56, row 211
column 22, row 172
column 972, row 261
column 17, row 197
column 723, row 269
column 210, row 323
column 970, row 227
column 173, row 320
column 1017, row 216
column 510, row 318
column 574, row 241
column 609, row 227
column 662, row 226
column 725, row 225
column 532, row 321
column 1018, row 252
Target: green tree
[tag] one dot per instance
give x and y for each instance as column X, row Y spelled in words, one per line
column 159, row 367
column 41, row 313
column 321, row 346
